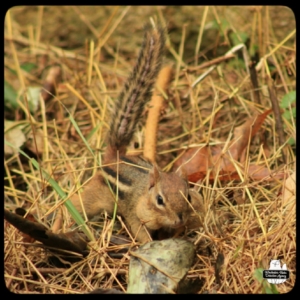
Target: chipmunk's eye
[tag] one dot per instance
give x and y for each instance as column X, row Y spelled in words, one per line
column 160, row 200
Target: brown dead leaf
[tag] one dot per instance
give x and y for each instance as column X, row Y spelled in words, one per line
column 243, row 133
column 289, row 193
column 14, row 135
column 196, row 162
column 52, row 79
column 35, row 142
column 255, row 172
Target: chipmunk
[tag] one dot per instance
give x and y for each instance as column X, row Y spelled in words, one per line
column 147, row 198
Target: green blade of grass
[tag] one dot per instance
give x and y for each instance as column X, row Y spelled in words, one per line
column 80, row 133
column 71, row 209
column 92, row 132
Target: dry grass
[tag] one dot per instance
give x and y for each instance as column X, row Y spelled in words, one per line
column 261, row 227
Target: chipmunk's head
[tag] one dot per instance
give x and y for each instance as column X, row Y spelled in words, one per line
column 167, row 203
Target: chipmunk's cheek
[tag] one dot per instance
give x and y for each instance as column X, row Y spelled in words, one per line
column 161, row 221
column 173, row 221
column 155, row 225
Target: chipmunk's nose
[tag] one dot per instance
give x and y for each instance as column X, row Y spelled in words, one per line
column 179, row 221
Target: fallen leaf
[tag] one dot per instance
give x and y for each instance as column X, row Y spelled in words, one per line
column 289, row 194
column 255, row 172
column 199, row 163
column 10, row 96
column 35, row 142
column 13, row 134
column 195, row 160
column 243, row 133
column 158, row 267
column 52, row 79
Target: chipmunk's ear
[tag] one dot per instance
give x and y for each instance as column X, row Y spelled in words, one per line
column 154, row 176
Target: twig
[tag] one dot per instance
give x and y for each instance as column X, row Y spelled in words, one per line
column 211, row 62
column 276, row 110
column 254, row 81
column 228, row 54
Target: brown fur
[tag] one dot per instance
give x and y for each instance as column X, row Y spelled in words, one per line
column 148, row 199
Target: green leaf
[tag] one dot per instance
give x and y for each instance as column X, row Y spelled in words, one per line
column 288, row 115
column 274, row 289
column 291, row 141
column 28, row 67
column 253, row 49
column 10, row 96
column 237, row 63
column 222, row 27
column 267, row 288
column 238, row 37
column 288, row 99
column 258, row 274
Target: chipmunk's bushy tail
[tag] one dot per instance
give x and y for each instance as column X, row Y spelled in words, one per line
column 137, row 90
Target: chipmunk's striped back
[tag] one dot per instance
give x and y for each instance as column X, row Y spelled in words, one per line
column 135, row 168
